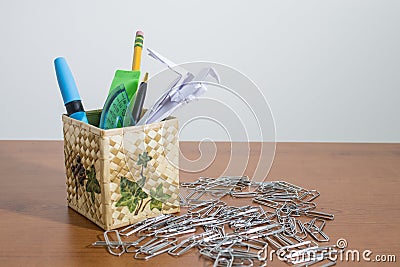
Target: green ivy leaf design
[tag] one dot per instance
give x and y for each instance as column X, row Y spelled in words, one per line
column 128, row 201
column 159, row 193
column 143, row 159
column 92, row 185
column 158, row 197
column 141, row 181
column 127, row 187
column 154, row 203
column 131, row 194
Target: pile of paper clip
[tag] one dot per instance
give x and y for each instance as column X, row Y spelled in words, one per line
column 234, row 236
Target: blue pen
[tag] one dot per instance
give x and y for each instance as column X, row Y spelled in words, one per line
column 69, row 91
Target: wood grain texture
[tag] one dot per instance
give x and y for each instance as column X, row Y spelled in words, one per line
column 359, row 183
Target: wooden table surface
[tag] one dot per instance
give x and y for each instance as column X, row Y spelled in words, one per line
column 359, row 183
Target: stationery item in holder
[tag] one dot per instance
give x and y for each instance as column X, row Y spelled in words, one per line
column 130, row 79
column 185, row 88
column 111, row 190
column 114, row 108
column 139, row 100
column 69, row 91
column 137, row 50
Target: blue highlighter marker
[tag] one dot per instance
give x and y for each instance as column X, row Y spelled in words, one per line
column 69, row 91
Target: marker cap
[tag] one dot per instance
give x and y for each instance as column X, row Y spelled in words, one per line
column 66, row 81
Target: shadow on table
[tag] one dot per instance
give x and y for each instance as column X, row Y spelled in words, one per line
column 33, row 184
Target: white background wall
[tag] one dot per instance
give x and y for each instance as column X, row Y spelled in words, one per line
column 329, row 69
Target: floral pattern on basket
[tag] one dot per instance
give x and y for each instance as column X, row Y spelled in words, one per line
column 132, row 195
column 81, row 175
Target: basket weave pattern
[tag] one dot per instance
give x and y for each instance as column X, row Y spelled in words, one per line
column 114, row 154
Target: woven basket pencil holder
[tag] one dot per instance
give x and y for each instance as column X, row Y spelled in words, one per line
column 120, row 176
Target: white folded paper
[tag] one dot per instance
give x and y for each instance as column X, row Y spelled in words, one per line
column 184, row 89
